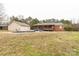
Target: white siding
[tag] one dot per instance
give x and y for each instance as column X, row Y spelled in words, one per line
column 16, row 27
column 24, row 28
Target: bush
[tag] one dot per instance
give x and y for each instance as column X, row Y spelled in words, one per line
column 69, row 27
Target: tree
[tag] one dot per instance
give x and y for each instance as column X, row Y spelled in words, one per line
column 28, row 20
column 67, row 25
column 65, row 21
column 34, row 21
column 52, row 20
column 2, row 15
column 13, row 18
column 20, row 17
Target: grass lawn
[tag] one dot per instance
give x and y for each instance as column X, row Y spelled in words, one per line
column 40, row 44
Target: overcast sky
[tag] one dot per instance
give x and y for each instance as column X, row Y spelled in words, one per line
column 42, row 9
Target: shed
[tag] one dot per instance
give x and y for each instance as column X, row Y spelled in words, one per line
column 18, row 26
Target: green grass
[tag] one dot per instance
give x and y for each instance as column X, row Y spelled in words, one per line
column 40, row 44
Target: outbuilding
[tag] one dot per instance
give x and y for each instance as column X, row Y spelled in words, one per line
column 3, row 25
column 18, row 26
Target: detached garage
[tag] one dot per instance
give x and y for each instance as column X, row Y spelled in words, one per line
column 18, row 26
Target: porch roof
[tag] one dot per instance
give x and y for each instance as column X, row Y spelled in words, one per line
column 48, row 24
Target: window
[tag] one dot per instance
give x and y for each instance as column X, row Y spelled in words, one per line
column 60, row 27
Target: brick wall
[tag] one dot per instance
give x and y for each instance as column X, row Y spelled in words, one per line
column 58, row 28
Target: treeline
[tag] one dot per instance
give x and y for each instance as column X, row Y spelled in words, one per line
column 68, row 26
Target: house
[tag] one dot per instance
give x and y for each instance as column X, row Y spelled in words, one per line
column 3, row 26
column 48, row 27
column 18, row 26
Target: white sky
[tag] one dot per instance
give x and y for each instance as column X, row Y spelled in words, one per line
column 42, row 9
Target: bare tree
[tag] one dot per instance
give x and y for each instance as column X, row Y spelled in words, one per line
column 3, row 19
column 2, row 12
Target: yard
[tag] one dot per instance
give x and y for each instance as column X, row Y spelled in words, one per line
column 39, row 44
